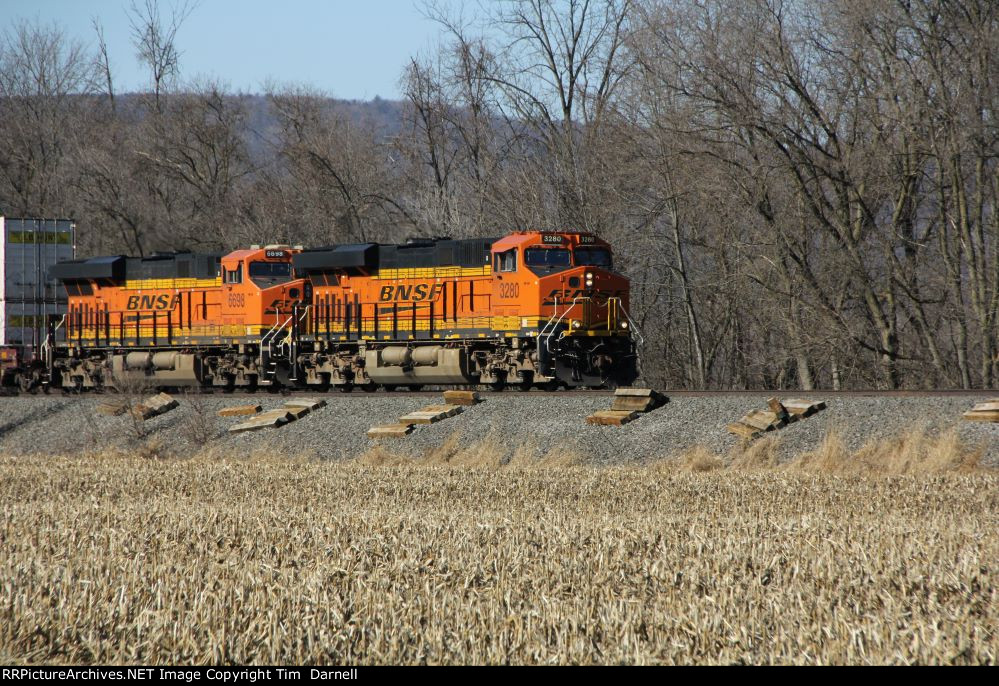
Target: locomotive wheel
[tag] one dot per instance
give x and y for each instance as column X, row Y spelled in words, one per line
column 389, row 387
column 526, row 381
column 345, row 387
column 369, row 387
column 24, row 384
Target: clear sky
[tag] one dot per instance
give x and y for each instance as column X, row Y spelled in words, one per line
column 352, row 50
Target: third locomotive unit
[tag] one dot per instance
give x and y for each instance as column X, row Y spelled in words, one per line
column 543, row 309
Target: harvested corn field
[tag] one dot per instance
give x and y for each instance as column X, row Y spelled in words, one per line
column 214, row 560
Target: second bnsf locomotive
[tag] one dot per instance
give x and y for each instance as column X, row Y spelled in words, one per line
column 530, row 309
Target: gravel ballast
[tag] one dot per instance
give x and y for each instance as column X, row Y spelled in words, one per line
column 538, row 424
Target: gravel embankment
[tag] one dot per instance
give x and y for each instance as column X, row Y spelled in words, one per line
column 62, row 425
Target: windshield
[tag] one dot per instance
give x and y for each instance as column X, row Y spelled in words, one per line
column 546, row 257
column 593, row 257
column 270, row 271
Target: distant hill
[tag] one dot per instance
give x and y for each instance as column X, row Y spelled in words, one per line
column 383, row 116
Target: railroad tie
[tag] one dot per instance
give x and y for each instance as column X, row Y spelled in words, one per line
column 462, row 397
column 271, row 419
column 629, row 404
column 431, row 414
column 987, row 411
column 239, row 410
column 455, row 403
column 780, row 414
column 154, row 406
column 396, row 430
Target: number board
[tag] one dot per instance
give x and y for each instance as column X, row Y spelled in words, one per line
column 551, row 239
column 274, row 253
column 583, row 240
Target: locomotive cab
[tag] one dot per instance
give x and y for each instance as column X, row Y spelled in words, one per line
column 566, row 281
column 564, row 288
column 258, row 286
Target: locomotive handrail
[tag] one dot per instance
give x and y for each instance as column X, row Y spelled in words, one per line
column 291, row 341
column 278, row 326
column 47, row 344
column 550, row 323
column 554, row 323
column 301, row 317
column 267, row 340
column 632, row 326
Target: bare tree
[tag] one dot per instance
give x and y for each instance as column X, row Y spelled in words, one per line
column 155, row 39
column 335, row 170
column 104, row 61
column 42, row 75
column 555, row 68
column 193, row 158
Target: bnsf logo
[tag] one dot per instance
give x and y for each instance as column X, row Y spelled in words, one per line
column 152, row 302
column 419, row 292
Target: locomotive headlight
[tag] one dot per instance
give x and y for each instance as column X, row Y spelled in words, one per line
column 589, row 276
column 576, row 324
column 624, row 325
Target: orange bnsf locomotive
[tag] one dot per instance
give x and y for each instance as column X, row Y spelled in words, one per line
column 529, row 309
column 175, row 319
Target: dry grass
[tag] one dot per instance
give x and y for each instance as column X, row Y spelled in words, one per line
column 489, row 453
column 266, row 560
column 913, row 452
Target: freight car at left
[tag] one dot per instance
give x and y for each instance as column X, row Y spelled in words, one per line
column 29, row 296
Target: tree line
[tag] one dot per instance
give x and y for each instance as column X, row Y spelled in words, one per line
column 803, row 193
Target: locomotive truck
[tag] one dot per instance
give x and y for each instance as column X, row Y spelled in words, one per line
column 543, row 309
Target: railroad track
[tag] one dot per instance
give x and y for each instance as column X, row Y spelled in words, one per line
column 537, row 393
column 839, row 394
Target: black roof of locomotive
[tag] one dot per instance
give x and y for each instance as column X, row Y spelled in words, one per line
column 336, row 257
column 107, row 267
column 422, row 253
column 160, row 265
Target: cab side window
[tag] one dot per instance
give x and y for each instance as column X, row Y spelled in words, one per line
column 234, row 275
column 507, row 261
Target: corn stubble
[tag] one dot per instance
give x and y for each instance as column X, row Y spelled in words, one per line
column 215, row 560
